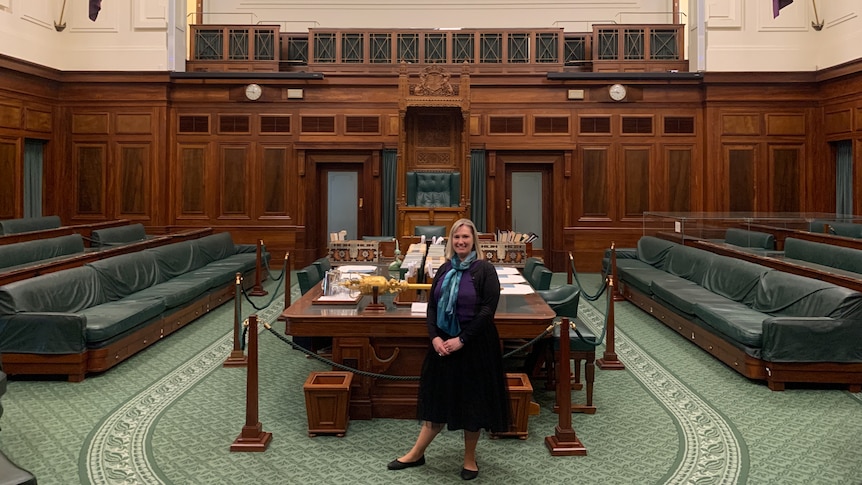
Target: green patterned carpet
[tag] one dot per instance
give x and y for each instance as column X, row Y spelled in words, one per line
column 675, row 415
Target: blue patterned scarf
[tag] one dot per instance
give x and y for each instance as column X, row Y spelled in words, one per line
column 447, row 319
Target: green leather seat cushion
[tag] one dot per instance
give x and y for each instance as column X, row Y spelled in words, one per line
column 177, row 291
column 683, row 295
column 735, row 320
column 108, row 320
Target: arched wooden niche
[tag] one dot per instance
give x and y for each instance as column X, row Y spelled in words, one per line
column 433, row 144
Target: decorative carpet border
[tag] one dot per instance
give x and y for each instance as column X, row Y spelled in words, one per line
column 711, row 451
column 119, row 448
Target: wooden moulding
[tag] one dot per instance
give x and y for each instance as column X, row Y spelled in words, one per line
column 327, row 401
column 521, row 399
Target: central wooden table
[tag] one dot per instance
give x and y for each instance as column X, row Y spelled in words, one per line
column 394, row 342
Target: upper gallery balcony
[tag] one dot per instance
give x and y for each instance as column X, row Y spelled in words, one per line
column 608, row 48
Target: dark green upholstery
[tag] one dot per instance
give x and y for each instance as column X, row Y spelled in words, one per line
column 29, row 224
column 846, row 229
column 29, row 252
column 114, row 236
column 540, row 278
column 562, row 299
column 430, row 231
column 529, row 264
column 323, row 265
column 838, row 257
column 433, row 189
column 307, row 277
column 96, row 304
column 749, row 239
column 576, row 343
column 770, row 314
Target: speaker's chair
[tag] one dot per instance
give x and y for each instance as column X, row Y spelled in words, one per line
column 433, row 189
column 430, row 231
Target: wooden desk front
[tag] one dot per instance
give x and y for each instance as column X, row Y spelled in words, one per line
column 394, row 342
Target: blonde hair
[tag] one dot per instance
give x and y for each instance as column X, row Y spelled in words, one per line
column 457, row 225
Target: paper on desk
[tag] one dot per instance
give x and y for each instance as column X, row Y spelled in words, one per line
column 419, row 307
column 512, row 278
column 516, row 289
column 506, row 270
column 357, row 268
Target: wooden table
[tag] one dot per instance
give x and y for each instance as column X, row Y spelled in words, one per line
column 394, row 342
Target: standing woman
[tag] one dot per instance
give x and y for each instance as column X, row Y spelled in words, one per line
column 462, row 384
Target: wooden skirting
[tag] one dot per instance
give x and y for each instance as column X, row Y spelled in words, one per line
column 776, row 374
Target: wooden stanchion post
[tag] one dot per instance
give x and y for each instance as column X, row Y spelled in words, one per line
column 258, row 290
column 610, row 360
column 237, row 357
column 564, row 441
column 287, row 283
column 252, row 437
column 615, row 294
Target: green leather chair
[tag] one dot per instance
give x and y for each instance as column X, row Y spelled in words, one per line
column 540, row 278
column 433, row 189
column 529, row 264
column 430, row 231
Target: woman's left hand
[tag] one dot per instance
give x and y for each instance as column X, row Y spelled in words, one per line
column 452, row 345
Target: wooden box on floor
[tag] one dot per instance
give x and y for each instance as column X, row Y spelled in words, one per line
column 521, row 399
column 327, row 400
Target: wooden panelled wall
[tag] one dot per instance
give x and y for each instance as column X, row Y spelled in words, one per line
column 184, row 152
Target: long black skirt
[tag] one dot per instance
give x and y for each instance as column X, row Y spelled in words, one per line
column 466, row 389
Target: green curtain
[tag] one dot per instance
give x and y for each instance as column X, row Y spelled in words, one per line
column 844, row 178
column 390, row 170
column 478, row 190
column 33, row 177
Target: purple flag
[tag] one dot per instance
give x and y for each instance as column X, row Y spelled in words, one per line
column 776, row 6
column 95, row 6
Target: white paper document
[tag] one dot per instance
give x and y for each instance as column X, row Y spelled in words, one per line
column 506, row 270
column 419, row 307
column 516, row 289
column 511, row 278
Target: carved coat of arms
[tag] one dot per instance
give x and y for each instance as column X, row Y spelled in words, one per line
column 434, row 81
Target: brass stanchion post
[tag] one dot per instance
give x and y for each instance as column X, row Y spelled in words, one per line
column 564, row 441
column 258, row 290
column 237, row 356
column 287, row 283
column 252, row 437
column 610, row 360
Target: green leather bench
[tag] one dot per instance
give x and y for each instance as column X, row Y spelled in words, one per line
column 749, row 239
column 838, row 257
column 101, row 313
column 115, row 236
column 29, row 224
column 23, row 253
column 766, row 324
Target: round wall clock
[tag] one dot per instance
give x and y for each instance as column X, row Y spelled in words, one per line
column 253, row 92
column 617, row 92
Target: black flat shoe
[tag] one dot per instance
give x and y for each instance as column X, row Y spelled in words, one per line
column 469, row 474
column 400, row 465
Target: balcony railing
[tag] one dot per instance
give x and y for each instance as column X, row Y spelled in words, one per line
column 610, row 47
